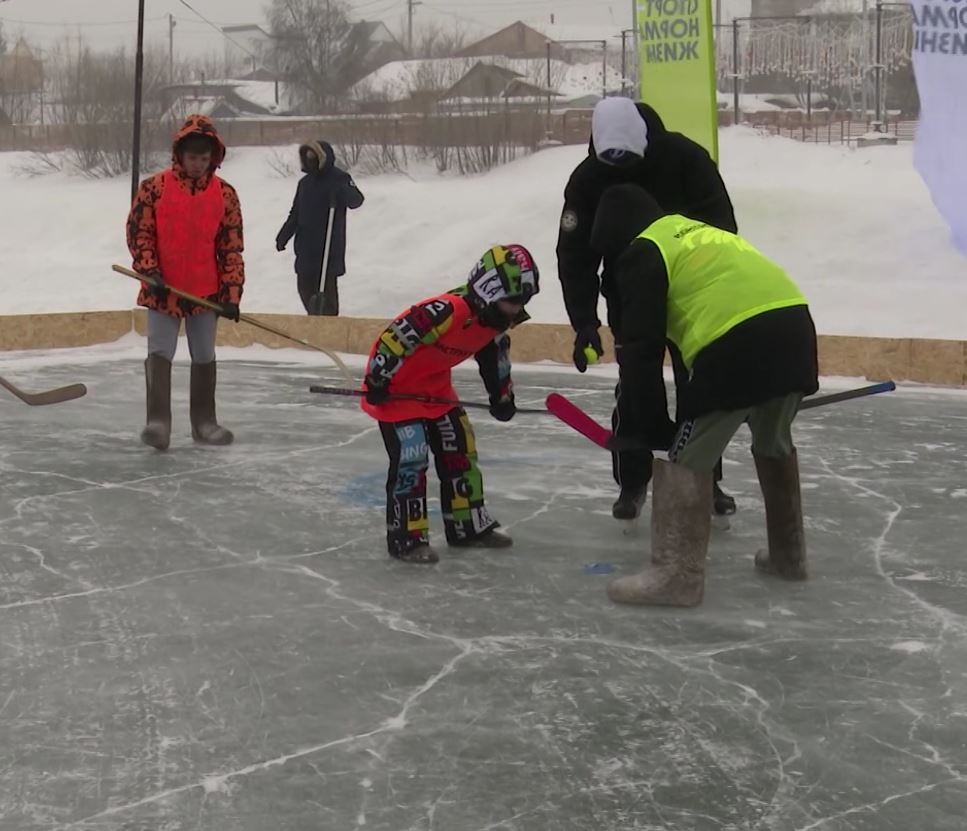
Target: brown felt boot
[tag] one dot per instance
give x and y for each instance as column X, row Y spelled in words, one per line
column 204, row 427
column 779, row 480
column 157, row 378
column 681, row 517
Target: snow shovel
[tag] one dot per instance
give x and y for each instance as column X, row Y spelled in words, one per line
column 316, row 306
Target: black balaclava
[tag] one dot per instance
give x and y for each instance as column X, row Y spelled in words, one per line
column 624, row 211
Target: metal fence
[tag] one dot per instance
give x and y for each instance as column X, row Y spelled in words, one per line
column 842, row 131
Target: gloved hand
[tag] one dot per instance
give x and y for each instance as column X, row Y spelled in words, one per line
column 586, row 336
column 376, row 392
column 230, row 311
column 157, row 290
column 279, row 244
column 503, row 409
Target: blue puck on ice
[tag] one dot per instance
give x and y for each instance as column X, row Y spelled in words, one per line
column 598, row 568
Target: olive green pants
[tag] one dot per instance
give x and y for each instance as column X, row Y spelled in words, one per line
column 701, row 441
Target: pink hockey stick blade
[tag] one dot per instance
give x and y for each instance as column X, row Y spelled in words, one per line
column 575, row 418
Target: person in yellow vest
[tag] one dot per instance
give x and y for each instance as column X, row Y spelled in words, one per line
column 748, row 341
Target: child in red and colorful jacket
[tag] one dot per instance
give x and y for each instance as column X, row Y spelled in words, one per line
column 415, row 356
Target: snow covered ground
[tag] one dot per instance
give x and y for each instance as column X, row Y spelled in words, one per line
column 857, row 229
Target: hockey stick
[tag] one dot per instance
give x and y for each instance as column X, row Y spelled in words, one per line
column 426, row 399
column 40, row 399
column 251, row 321
column 575, row 418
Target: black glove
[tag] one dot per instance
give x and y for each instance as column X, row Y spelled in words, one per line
column 157, row 289
column 279, row 244
column 586, row 336
column 376, row 393
column 503, row 409
column 230, row 311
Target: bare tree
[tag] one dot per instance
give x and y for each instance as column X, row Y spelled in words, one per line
column 434, row 40
column 310, row 41
column 91, row 96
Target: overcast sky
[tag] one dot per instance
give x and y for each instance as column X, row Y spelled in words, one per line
column 107, row 22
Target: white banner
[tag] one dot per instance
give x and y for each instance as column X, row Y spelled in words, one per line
column 940, row 64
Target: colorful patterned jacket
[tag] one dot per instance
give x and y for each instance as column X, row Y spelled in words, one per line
column 142, row 230
column 417, row 351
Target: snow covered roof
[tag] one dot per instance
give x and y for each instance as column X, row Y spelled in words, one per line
column 214, row 106
column 397, row 81
column 261, row 94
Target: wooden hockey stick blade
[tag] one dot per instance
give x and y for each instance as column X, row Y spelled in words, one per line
column 251, row 321
column 426, row 399
column 40, row 399
column 575, row 418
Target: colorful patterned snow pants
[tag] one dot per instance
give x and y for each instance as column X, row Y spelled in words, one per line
column 454, row 448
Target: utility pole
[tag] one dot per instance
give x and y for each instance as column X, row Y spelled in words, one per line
column 635, row 46
column 604, row 69
column 138, row 86
column 624, row 60
column 410, row 5
column 171, row 48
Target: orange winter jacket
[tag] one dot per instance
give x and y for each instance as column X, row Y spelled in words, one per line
column 189, row 230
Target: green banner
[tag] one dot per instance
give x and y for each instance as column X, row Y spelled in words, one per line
column 677, row 51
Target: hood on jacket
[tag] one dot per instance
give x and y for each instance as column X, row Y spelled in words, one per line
column 624, row 211
column 613, row 123
column 200, row 125
column 323, row 150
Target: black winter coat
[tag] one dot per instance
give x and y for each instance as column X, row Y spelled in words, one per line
column 675, row 170
column 309, row 218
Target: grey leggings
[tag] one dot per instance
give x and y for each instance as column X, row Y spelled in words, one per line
column 163, row 335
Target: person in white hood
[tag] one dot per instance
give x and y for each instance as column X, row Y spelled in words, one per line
column 630, row 145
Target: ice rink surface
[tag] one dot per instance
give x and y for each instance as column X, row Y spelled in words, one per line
column 216, row 638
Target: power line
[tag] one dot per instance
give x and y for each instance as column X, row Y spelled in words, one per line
column 74, row 25
column 220, row 31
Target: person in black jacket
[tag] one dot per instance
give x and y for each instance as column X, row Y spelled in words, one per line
column 744, row 332
column 324, row 191
column 629, row 144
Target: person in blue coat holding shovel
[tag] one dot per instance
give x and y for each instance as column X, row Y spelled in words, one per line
column 318, row 221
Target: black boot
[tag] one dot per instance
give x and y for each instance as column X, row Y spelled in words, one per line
column 204, row 427
column 494, row 538
column 722, row 503
column 629, row 502
column 157, row 377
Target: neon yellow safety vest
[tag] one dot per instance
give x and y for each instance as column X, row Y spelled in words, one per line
column 716, row 280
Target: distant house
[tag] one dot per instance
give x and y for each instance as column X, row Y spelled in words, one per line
column 241, row 98
column 489, row 82
column 368, row 46
column 214, row 106
column 567, row 43
column 419, row 85
column 515, row 41
column 21, row 72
